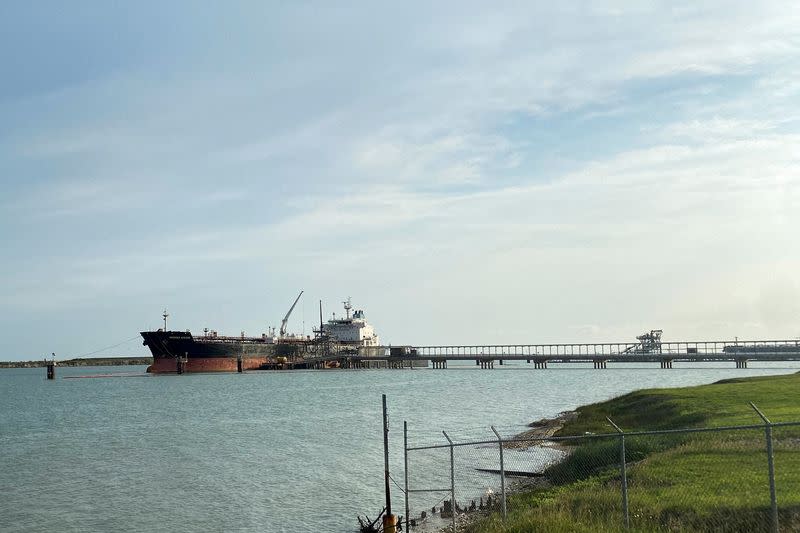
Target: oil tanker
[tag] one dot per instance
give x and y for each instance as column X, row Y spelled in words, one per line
column 180, row 351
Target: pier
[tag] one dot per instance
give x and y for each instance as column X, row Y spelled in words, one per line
column 648, row 349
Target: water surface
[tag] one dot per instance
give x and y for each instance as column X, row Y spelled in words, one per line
column 260, row 451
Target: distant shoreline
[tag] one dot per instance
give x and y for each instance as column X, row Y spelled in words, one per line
column 88, row 361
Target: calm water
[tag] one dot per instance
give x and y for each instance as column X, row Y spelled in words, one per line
column 261, row 451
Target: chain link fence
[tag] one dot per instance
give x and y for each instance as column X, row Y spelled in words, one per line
column 734, row 478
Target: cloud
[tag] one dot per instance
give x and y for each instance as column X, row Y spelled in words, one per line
column 449, row 159
column 717, row 128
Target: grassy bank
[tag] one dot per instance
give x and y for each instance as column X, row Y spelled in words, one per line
column 686, row 482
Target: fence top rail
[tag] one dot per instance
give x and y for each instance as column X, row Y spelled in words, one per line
column 604, row 435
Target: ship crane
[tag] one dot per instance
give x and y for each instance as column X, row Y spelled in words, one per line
column 286, row 318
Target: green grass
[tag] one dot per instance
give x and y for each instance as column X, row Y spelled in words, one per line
column 687, row 482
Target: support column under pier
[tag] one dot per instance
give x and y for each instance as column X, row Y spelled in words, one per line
column 741, row 363
column 598, row 364
column 666, row 363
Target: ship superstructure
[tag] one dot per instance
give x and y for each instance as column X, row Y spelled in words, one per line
column 353, row 329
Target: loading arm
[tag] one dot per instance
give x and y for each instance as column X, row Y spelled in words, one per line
column 286, row 318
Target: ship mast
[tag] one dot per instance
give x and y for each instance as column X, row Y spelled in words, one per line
column 347, row 307
column 165, row 315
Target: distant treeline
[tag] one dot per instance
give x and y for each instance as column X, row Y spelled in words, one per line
column 88, row 361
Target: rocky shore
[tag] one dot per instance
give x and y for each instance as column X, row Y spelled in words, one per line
column 540, row 429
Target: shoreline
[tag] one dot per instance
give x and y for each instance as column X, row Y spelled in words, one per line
column 704, row 402
column 542, row 428
column 89, row 361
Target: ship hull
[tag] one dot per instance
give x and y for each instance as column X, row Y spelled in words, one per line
column 176, row 351
column 169, row 365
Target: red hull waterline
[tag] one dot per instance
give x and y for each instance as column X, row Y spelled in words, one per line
column 169, row 365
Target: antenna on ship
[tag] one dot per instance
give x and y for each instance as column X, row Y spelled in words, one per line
column 165, row 315
column 347, row 307
column 320, row 317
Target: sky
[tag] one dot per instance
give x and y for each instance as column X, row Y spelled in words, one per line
column 510, row 172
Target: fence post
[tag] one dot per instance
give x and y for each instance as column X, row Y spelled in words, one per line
column 773, row 498
column 452, row 482
column 405, row 465
column 623, row 473
column 502, row 473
